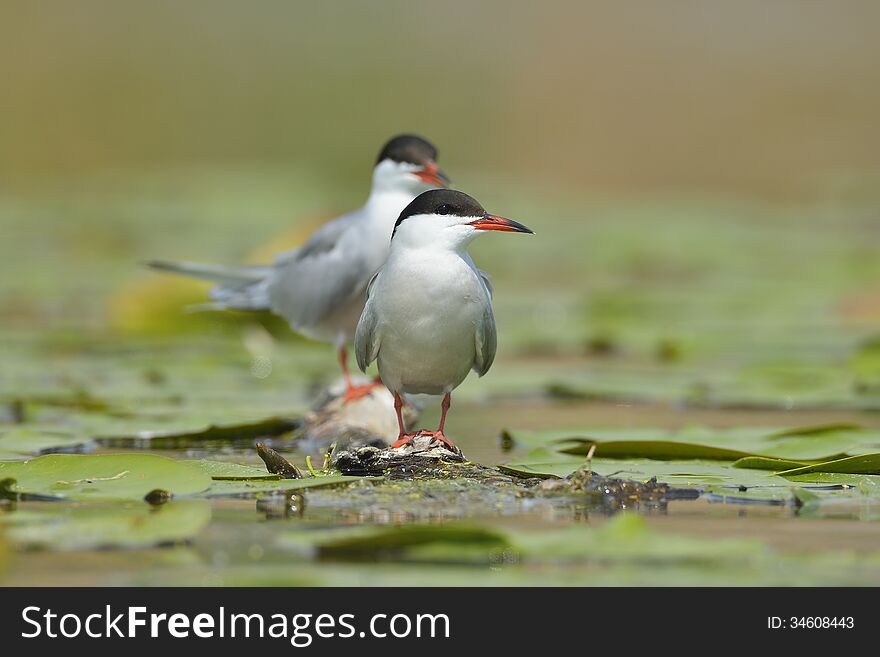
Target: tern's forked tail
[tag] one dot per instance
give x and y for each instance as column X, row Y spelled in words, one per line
column 239, row 287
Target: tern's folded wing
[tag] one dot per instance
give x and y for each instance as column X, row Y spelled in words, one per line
column 314, row 280
column 366, row 338
column 486, row 342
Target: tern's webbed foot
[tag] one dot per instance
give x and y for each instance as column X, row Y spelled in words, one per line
column 437, row 436
column 404, row 439
column 359, row 392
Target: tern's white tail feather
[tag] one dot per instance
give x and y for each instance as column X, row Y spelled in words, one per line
column 240, row 287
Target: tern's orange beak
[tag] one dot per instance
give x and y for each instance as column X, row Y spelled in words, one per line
column 431, row 174
column 494, row 222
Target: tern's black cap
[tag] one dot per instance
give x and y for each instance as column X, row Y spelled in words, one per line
column 444, row 202
column 408, row 148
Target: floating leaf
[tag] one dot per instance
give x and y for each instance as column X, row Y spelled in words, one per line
column 806, row 500
column 815, row 430
column 273, row 426
column 679, row 473
column 625, row 538
column 372, row 542
column 774, row 495
column 95, row 527
column 104, row 476
column 24, row 441
column 766, row 463
column 655, row 449
column 225, row 488
column 224, row 470
column 807, row 444
column 862, row 464
column 867, row 484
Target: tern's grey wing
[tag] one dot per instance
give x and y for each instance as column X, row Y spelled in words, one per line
column 314, row 280
column 484, row 277
column 366, row 338
column 486, row 342
column 487, row 283
column 322, row 240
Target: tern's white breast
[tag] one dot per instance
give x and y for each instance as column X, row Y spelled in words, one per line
column 428, row 303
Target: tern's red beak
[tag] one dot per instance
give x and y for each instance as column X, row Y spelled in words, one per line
column 431, row 174
column 494, row 222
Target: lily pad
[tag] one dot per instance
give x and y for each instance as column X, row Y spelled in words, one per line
column 655, row 449
column 808, row 444
column 624, row 539
column 679, row 473
column 109, row 527
column 372, row 542
column 862, row 464
column 104, row 476
column 815, row 430
column 866, row 484
column 225, row 488
column 220, row 470
column 767, row 463
column 27, row 441
column 206, row 434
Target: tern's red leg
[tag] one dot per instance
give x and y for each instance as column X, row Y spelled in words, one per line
column 438, row 435
column 403, row 438
column 406, row 439
column 444, row 409
column 352, row 391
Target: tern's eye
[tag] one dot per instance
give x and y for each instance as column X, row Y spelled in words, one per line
column 444, row 209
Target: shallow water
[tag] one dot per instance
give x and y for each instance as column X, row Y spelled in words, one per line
column 241, row 544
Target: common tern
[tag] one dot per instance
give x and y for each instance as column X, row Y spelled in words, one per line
column 320, row 288
column 428, row 319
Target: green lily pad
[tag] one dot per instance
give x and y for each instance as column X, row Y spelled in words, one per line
column 780, row 495
column 807, row 500
column 815, row 430
column 220, row 470
column 223, row 488
column 766, row 463
column 26, row 441
column 204, row 434
column 679, row 473
column 655, row 449
column 94, row 527
column 862, row 464
column 866, row 484
column 807, row 444
column 623, row 539
column 104, row 476
column 372, row 542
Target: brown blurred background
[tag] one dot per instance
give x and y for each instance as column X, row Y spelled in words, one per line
column 755, row 96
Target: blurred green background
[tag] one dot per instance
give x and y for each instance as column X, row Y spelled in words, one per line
column 703, row 179
column 702, row 176
column 726, row 96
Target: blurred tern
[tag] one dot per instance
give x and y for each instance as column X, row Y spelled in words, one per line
column 320, row 288
column 428, row 319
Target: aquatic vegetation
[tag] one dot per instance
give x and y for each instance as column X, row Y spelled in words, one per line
column 702, row 358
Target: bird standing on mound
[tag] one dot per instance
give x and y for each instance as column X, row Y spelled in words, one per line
column 428, row 319
column 320, row 288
